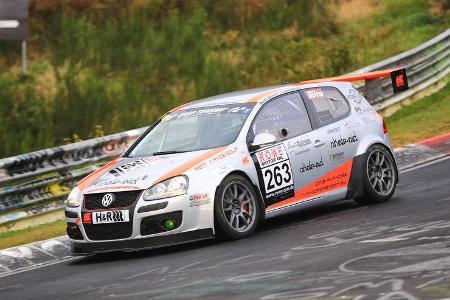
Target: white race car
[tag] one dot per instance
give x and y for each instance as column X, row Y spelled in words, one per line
column 221, row 165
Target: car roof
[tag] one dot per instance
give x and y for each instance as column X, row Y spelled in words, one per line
column 242, row 96
column 250, row 95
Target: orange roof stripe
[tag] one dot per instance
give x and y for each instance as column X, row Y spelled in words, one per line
column 83, row 183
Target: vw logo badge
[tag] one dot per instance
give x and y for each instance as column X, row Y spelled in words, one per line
column 107, row 199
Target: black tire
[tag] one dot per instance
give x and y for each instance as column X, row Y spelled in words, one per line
column 245, row 207
column 380, row 176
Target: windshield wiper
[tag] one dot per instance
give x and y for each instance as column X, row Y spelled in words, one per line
column 167, row 152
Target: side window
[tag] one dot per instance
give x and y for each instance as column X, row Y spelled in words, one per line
column 328, row 104
column 284, row 112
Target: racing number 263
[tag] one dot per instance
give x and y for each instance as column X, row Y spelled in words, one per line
column 277, row 176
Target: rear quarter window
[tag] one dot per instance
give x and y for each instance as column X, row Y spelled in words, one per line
column 327, row 104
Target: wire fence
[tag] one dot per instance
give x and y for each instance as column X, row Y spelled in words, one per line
column 39, row 181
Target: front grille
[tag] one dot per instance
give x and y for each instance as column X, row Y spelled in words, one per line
column 122, row 199
column 113, row 231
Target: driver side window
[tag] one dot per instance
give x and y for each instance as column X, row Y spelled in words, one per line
column 285, row 117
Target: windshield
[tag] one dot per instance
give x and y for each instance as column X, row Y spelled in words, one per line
column 194, row 129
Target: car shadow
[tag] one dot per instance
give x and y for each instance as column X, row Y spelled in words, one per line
column 144, row 253
column 303, row 215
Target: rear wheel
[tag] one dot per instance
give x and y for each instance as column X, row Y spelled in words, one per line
column 236, row 208
column 380, row 175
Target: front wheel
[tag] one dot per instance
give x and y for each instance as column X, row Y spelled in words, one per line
column 236, row 208
column 380, row 175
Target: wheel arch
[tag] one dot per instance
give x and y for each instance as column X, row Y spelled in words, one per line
column 257, row 190
column 355, row 187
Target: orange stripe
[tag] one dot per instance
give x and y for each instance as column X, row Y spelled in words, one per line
column 189, row 164
column 332, row 180
column 178, row 107
column 258, row 97
column 83, row 183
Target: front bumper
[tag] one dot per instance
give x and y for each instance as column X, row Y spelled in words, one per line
column 193, row 223
column 86, row 248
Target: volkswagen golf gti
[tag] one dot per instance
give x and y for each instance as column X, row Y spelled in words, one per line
column 221, row 165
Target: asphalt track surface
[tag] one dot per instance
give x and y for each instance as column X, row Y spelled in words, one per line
column 395, row 250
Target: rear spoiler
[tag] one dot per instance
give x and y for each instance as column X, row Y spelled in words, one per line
column 372, row 82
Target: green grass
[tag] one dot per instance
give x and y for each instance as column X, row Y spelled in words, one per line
column 423, row 119
column 124, row 64
column 32, row 234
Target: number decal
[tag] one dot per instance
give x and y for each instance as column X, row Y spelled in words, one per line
column 269, row 182
column 275, row 172
column 287, row 171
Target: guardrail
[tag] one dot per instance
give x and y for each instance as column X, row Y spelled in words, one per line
column 39, row 181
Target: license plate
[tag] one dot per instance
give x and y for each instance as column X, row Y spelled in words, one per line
column 113, row 216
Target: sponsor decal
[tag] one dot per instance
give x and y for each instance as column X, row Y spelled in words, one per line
column 334, row 130
column 104, row 182
column 334, row 179
column 364, row 111
column 134, row 165
column 242, row 108
column 216, row 158
column 311, row 166
column 337, row 156
column 246, row 160
column 114, row 216
column 351, row 124
column 368, row 120
column 239, row 109
column 198, row 199
column 301, row 151
column 354, row 96
column 189, row 164
column 87, row 218
column 274, row 168
column 327, row 184
column 295, row 145
column 314, row 93
column 343, row 141
column 200, row 112
column 86, row 181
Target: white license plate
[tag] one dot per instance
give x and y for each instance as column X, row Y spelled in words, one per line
column 112, row 216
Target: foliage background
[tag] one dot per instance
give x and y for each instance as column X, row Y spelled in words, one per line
column 103, row 66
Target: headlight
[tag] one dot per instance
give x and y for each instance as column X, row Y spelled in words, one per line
column 75, row 197
column 168, row 188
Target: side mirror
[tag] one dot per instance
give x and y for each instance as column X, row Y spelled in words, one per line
column 263, row 139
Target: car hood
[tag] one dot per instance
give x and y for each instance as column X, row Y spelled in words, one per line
column 141, row 172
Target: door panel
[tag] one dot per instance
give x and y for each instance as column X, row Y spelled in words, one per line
column 286, row 118
column 309, row 158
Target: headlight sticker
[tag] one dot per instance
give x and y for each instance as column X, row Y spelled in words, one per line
column 198, row 199
column 222, row 155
